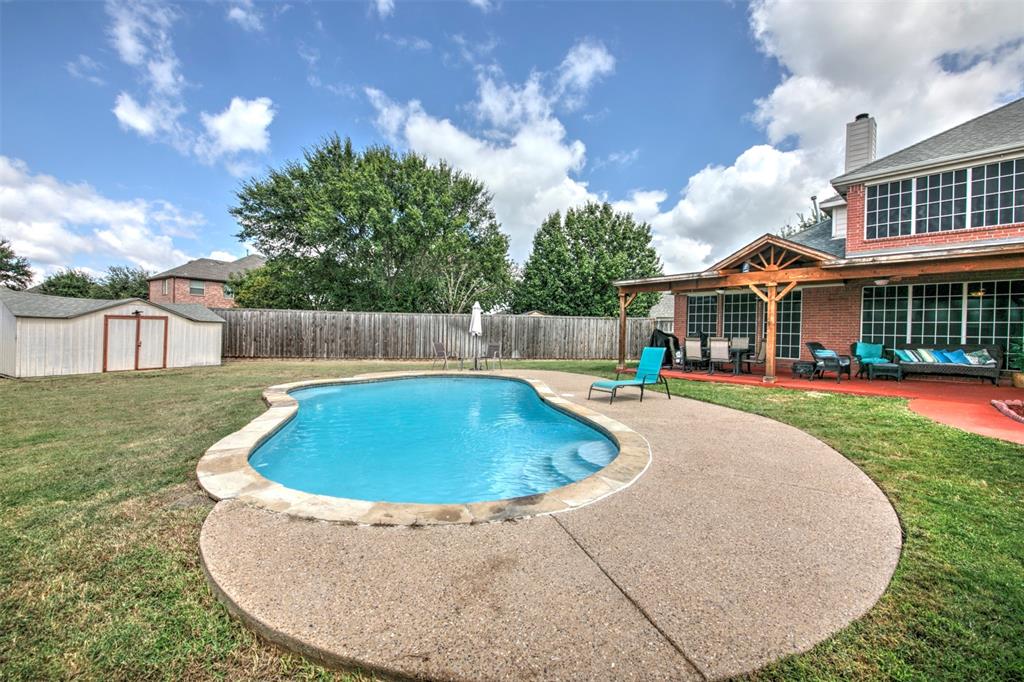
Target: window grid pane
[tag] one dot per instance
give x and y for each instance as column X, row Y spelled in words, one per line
column 995, row 313
column 997, row 193
column 702, row 315
column 883, row 317
column 739, row 316
column 889, row 209
column 941, row 202
column 787, row 326
column 936, row 314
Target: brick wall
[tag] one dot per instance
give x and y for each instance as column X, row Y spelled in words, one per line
column 178, row 292
column 855, row 240
column 679, row 316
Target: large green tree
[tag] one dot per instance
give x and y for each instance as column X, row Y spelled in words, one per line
column 122, row 281
column 73, row 283
column 372, row 230
column 14, row 270
column 574, row 262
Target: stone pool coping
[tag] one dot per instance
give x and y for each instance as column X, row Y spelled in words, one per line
column 224, row 471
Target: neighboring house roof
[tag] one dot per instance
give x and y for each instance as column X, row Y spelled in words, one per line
column 665, row 307
column 819, row 237
column 213, row 270
column 998, row 130
column 25, row 304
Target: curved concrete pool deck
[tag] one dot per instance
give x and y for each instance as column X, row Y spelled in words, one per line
column 745, row 541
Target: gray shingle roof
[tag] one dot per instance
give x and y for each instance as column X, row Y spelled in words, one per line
column 820, row 237
column 212, row 270
column 999, row 129
column 26, row 304
column 665, row 307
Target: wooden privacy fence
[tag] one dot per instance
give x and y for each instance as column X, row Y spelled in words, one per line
column 329, row 334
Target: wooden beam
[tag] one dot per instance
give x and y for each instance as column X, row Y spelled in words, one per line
column 771, row 309
column 622, row 327
column 788, row 288
column 757, row 291
column 818, row 274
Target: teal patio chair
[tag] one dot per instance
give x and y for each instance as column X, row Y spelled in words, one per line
column 648, row 373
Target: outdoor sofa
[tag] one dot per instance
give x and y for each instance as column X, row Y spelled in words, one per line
column 918, row 365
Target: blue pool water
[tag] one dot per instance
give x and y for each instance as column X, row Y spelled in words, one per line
column 437, row 440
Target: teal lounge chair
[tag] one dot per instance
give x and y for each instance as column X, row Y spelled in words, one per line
column 648, row 373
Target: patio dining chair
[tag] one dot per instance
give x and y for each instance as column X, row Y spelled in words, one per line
column 442, row 355
column 826, row 360
column 739, row 343
column 648, row 373
column 757, row 358
column 718, row 352
column 693, row 354
column 493, row 353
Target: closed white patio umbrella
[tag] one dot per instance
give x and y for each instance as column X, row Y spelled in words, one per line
column 476, row 330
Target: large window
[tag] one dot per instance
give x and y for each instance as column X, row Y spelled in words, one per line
column 937, row 315
column 787, row 326
column 702, row 315
column 941, row 202
column 992, row 194
column 997, row 194
column 884, row 314
column 995, row 313
column 889, row 209
column 739, row 316
column 197, row 287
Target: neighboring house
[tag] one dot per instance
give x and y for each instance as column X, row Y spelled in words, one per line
column 44, row 335
column 663, row 313
column 203, row 281
column 922, row 246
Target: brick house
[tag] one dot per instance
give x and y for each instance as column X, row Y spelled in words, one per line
column 924, row 246
column 203, row 280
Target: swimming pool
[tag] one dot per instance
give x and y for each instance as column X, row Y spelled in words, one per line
column 435, row 440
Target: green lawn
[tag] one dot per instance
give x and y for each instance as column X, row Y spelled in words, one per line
column 100, row 519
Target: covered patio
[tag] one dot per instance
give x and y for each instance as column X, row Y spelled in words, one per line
column 772, row 271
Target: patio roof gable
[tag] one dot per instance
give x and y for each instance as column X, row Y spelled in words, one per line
column 771, row 252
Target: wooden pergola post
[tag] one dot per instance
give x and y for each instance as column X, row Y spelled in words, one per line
column 771, row 300
column 624, row 301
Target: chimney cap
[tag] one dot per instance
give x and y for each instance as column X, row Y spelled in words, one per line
column 861, row 117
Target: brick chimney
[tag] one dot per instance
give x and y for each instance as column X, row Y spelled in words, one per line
column 861, row 142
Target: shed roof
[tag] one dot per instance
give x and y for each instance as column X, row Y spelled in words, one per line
column 1000, row 129
column 26, row 304
column 213, row 270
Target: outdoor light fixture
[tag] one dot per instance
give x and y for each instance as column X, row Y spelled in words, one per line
column 719, row 291
column 881, row 282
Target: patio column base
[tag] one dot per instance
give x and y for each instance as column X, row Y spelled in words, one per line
column 768, row 379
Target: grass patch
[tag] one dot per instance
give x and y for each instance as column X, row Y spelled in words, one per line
column 100, row 519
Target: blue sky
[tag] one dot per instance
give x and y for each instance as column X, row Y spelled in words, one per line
column 125, row 129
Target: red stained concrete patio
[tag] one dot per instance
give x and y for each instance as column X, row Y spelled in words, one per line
column 961, row 404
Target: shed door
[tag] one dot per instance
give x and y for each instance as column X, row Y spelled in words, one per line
column 120, row 344
column 134, row 342
column 152, row 343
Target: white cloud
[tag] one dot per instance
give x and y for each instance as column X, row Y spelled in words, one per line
column 384, row 8
column 245, row 14
column 141, row 34
column 482, row 5
column 226, row 256
column 622, row 158
column 414, row 43
column 86, row 68
column 918, row 70
column 242, row 127
column 54, row 224
column 586, row 62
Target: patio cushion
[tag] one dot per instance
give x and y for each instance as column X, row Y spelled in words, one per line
column 980, row 357
column 904, row 355
column 873, row 361
column 959, row 357
column 925, row 354
column 824, row 354
column 608, row 383
column 869, row 352
column 940, row 356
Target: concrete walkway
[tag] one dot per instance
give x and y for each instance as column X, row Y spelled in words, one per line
column 745, row 541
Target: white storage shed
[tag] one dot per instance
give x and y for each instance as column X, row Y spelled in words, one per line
column 44, row 335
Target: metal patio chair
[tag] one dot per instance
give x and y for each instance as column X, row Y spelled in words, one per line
column 493, row 353
column 718, row 352
column 442, row 355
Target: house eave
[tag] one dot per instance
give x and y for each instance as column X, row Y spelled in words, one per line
column 843, row 182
